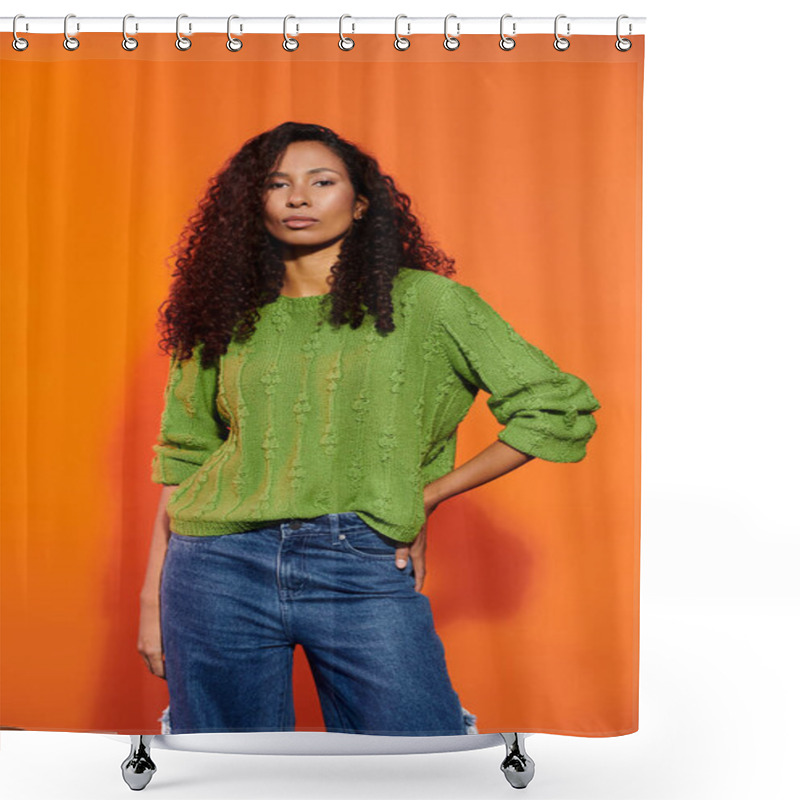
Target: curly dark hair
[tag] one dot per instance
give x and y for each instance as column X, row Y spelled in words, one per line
column 228, row 265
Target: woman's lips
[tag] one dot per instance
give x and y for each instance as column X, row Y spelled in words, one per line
column 299, row 223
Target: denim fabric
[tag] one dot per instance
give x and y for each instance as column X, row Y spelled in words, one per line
column 235, row 605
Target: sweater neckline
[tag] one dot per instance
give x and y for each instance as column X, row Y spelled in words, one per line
column 312, row 300
column 312, row 305
column 306, row 300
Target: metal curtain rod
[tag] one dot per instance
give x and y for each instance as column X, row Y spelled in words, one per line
column 566, row 25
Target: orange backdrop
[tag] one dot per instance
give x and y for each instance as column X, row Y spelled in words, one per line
column 523, row 165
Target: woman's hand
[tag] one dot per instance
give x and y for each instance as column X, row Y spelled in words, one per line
column 149, row 643
column 416, row 550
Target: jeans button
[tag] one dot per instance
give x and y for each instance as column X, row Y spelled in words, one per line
column 295, row 525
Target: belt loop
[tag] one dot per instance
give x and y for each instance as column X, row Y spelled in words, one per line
column 334, row 523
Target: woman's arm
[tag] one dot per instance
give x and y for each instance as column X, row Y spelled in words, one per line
column 546, row 412
column 149, row 641
column 158, row 547
column 492, row 462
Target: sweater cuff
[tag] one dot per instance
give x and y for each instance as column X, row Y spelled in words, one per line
column 548, row 448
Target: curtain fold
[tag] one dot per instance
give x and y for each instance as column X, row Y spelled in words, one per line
column 525, row 166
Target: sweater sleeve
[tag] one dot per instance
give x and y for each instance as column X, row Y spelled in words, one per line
column 191, row 428
column 547, row 413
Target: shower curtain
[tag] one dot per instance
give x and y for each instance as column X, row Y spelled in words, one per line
column 522, row 165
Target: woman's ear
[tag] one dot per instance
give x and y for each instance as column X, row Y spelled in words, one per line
column 362, row 204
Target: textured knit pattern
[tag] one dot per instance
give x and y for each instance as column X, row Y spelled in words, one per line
column 307, row 419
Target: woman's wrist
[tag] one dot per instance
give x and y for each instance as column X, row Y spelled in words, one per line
column 435, row 493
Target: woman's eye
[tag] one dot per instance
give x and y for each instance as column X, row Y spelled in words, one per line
column 281, row 183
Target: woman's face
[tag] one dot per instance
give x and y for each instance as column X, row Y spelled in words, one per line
column 310, row 180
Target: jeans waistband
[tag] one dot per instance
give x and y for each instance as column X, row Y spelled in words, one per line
column 324, row 524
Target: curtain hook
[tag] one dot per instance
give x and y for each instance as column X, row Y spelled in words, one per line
column 506, row 42
column 129, row 42
column 401, row 43
column 561, row 43
column 451, row 42
column 289, row 43
column 70, row 42
column 182, row 43
column 345, row 42
column 18, row 42
column 623, row 45
column 233, row 44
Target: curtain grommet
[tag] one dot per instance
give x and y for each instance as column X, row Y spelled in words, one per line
column 234, row 44
column 560, row 43
column 129, row 42
column 507, row 42
column 451, row 42
column 622, row 44
column 400, row 42
column 18, row 43
column 290, row 44
column 345, row 42
column 71, row 42
column 182, row 42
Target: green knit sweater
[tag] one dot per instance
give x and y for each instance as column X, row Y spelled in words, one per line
column 305, row 419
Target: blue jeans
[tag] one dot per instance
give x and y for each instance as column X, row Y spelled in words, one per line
column 235, row 605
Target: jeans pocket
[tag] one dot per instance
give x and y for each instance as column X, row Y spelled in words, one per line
column 368, row 543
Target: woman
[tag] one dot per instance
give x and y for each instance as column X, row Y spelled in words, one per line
column 303, row 445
